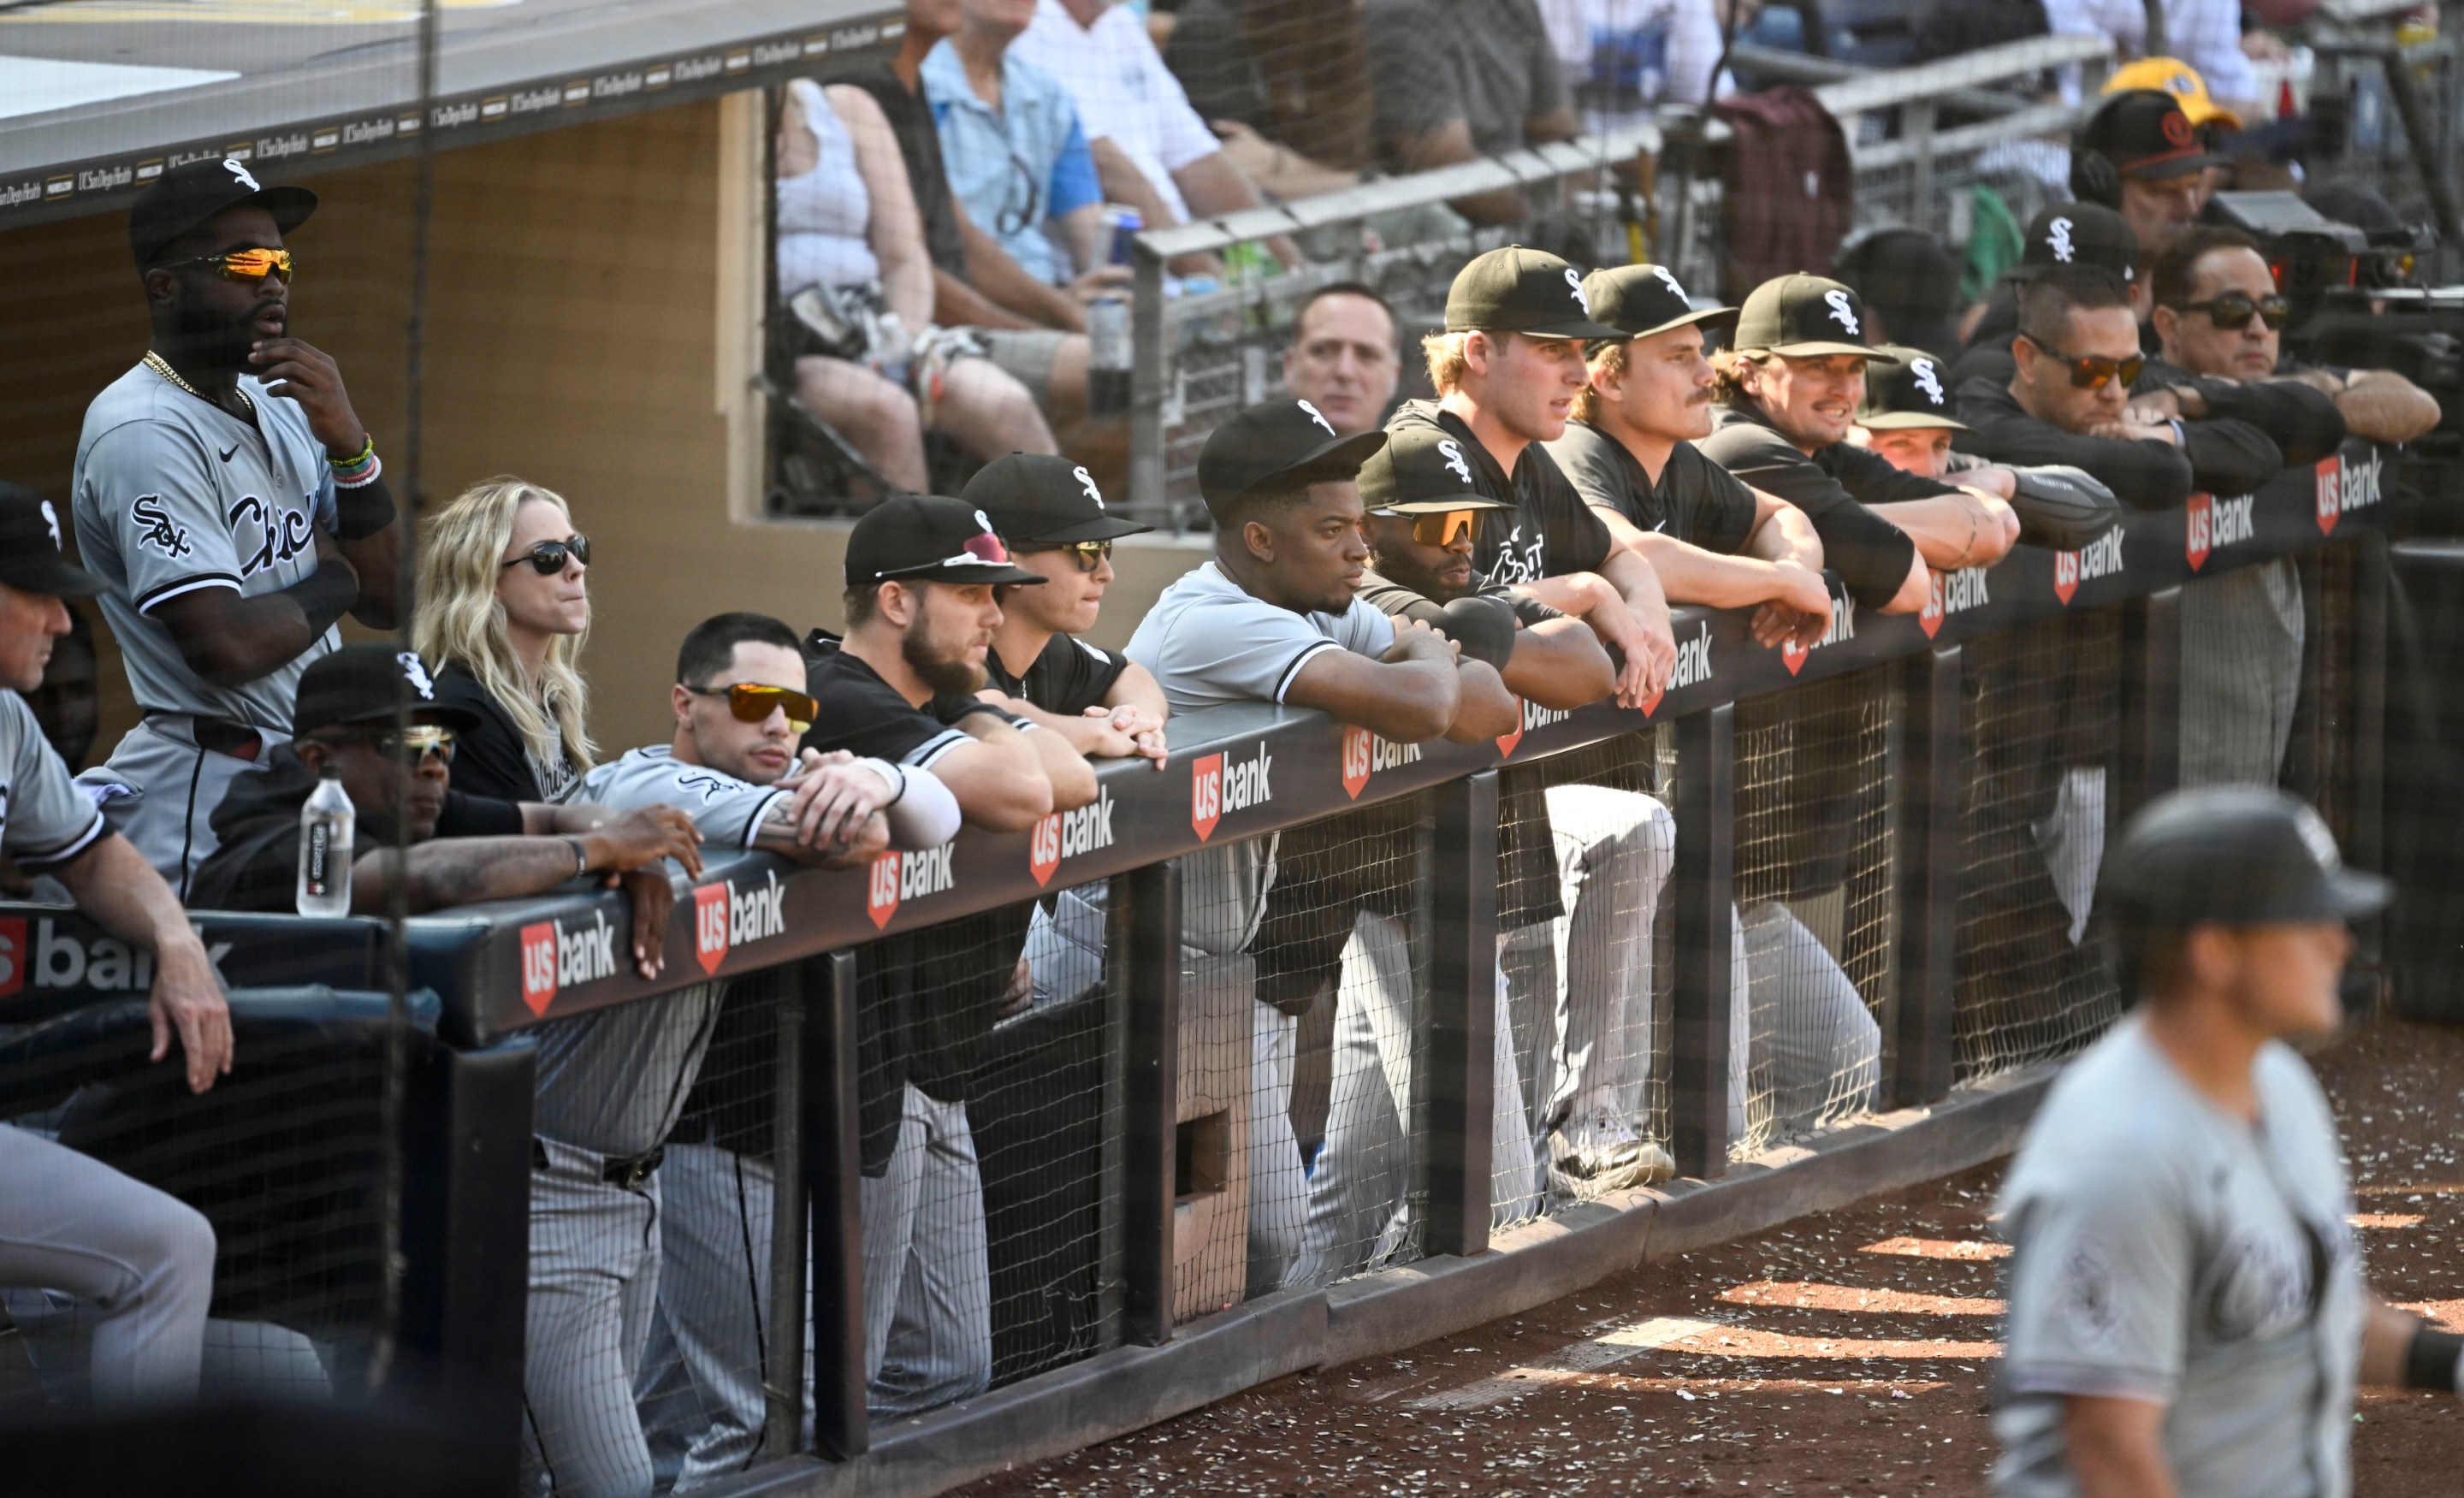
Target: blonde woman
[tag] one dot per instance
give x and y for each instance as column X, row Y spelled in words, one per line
column 504, row 603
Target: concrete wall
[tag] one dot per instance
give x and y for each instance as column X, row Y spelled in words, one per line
column 572, row 338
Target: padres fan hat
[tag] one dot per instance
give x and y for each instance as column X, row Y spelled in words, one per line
column 186, row 197
column 2238, row 855
column 30, row 548
column 2079, row 234
column 1421, row 472
column 2175, row 77
column 1289, row 440
column 927, row 538
column 1804, row 317
column 1917, row 393
column 2145, row 134
column 364, row 684
column 1641, row 301
column 1516, row 290
column 1038, row 500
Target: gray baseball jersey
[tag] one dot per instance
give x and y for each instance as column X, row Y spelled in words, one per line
column 44, row 818
column 614, row 1080
column 175, row 494
column 2163, row 1251
column 1210, row 642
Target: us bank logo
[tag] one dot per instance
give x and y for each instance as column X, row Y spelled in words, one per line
column 2211, row 524
column 1949, row 593
column 2100, row 558
column 726, row 917
column 1365, row 754
column 1217, row 788
column 895, row 879
column 556, row 957
column 1066, row 834
column 1693, row 667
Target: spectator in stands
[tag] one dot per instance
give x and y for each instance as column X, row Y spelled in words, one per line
column 739, row 706
column 1275, row 616
column 2064, row 234
column 2076, row 355
column 1152, row 150
column 1458, row 79
column 901, row 687
column 2140, row 156
column 68, row 1222
column 68, row 705
column 1052, row 517
column 1792, row 381
column 1507, row 371
column 461, row 849
column 504, row 605
column 1629, row 451
column 1013, row 145
column 1910, row 286
column 2219, row 316
column 853, row 270
column 1031, row 327
column 1342, row 359
column 233, row 502
column 1286, row 84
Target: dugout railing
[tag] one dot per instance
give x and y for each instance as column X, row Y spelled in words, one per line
column 1860, row 797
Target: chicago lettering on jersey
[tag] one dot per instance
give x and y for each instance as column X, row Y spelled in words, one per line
column 1066, row 834
column 281, row 534
column 726, row 917
column 555, row 958
column 895, row 879
column 1364, row 753
column 2100, row 558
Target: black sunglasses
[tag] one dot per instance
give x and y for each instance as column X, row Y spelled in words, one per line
column 2233, row 310
column 548, row 558
column 2091, row 373
column 1089, row 555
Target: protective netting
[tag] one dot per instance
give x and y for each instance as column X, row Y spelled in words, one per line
column 1304, row 1101
column 2040, row 722
column 270, row 1187
column 1815, row 907
column 1585, row 849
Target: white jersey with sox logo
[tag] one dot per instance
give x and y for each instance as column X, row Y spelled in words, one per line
column 175, row 496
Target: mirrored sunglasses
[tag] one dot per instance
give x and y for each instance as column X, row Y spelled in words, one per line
column 748, row 703
column 242, row 265
column 1442, row 529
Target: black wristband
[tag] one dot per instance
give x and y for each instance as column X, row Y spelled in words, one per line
column 2430, row 1362
column 324, row 596
column 360, row 513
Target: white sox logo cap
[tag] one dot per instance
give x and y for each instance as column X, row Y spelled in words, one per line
column 1279, row 442
column 2237, row 855
column 1644, row 300
column 190, row 194
column 1420, row 471
column 1804, row 317
column 1906, row 395
column 1034, row 500
column 1516, row 290
column 929, row 538
column 367, row 684
column 30, row 548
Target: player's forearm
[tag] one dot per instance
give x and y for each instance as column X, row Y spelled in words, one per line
column 118, row 891
column 460, row 870
column 1137, row 688
column 1073, row 778
column 377, row 560
column 2115, row 1448
column 1950, row 532
column 1560, row 665
column 2385, row 407
column 1691, row 575
column 1485, row 708
column 999, row 779
column 1785, row 532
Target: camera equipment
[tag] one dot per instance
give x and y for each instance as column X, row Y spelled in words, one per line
column 2307, row 252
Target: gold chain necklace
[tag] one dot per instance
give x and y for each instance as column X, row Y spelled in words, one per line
column 163, row 367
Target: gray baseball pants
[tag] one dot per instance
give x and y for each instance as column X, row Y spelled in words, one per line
column 2241, row 674
column 594, row 1284
column 928, row 1313
column 71, row 1224
column 714, row 1296
column 177, row 787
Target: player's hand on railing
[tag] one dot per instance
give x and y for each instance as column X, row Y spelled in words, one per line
column 1802, row 613
column 640, row 837
column 834, row 797
column 187, row 998
column 1020, row 996
column 653, row 899
column 2128, row 431
column 1143, row 728
column 1415, row 640
column 1649, row 647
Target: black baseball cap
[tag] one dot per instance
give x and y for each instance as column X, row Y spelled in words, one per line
column 2236, row 855
column 30, row 548
column 1530, row 291
column 1804, row 317
column 2079, row 234
column 1909, row 395
column 187, row 195
column 363, row 684
column 1420, row 471
column 927, row 538
column 1280, row 440
column 2144, row 133
column 1640, row 301
column 1036, row 499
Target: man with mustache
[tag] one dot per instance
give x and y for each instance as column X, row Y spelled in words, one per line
column 901, row 687
column 231, row 498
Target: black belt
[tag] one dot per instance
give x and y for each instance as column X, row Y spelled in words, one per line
column 625, row 1172
column 222, row 736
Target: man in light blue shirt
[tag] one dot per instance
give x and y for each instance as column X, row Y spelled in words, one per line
column 1016, row 154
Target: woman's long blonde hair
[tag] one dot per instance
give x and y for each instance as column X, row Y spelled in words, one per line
column 460, row 621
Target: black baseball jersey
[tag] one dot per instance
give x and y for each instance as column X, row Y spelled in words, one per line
column 1833, row 487
column 1553, row 531
column 1696, row 500
column 1068, row 677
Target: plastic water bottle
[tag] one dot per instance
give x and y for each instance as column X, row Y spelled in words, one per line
column 325, row 830
column 1108, row 355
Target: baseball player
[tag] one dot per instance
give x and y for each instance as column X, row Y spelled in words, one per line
column 2188, row 1313
column 68, row 1222
column 231, row 500
column 613, row 1082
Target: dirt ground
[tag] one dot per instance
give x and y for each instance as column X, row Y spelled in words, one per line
column 1848, row 1353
